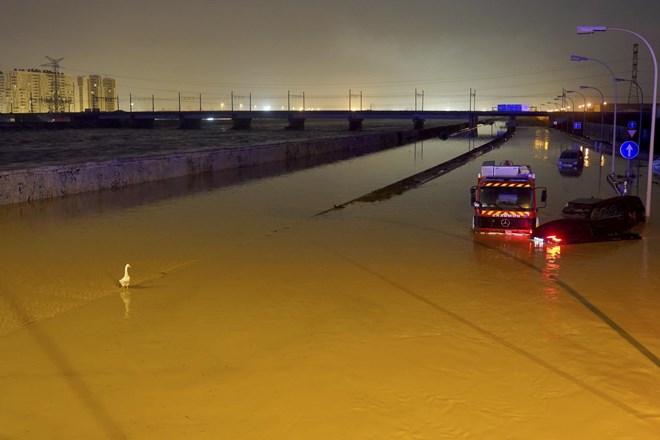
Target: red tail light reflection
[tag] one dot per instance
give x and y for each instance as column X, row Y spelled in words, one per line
column 553, row 239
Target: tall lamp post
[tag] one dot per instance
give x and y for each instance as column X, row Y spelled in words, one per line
column 581, row 58
column 602, row 105
column 572, row 111
column 563, row 108
column 584, row 110
column 649, row 178
column 556, row 105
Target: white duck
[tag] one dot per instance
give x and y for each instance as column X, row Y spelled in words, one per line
column 127, row 279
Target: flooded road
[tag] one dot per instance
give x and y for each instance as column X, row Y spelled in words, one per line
column 248, row 317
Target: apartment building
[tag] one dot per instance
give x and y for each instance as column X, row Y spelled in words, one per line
column 42, row 91
column 2, row 93
column 96, row 93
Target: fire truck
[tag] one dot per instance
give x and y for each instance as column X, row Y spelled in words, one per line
column 505, row 199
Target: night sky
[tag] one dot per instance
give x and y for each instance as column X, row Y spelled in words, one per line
column 509, row 51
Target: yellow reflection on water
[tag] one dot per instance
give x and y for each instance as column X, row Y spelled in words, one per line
column 541, row 144
column 586, row 156
column 551, row 293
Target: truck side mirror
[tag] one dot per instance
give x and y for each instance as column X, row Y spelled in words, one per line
column 473, row 195
column 544, row 195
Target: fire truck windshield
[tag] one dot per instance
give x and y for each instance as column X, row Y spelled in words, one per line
column 506, row 198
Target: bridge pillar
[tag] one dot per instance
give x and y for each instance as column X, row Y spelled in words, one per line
column 239, row 123
column 142, row 123
column 354, row 124
column 296, row 124
column 473, row 121
column 418, row 124
column 190, row 124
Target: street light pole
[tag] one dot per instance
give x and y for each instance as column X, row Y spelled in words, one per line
column 584, row 109
column 602, row 105
column 649, row 178
column 556, row 105
column 564, row 104
column 581, row 58
column 572, row 111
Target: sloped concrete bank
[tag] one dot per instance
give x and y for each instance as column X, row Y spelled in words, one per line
column 25, row 185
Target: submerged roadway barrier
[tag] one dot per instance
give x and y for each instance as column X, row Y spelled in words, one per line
column 30, row 184
column 410, row 182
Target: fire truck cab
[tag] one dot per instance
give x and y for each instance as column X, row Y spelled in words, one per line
column 505, row 199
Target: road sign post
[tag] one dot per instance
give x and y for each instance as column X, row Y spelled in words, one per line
column 629, row 150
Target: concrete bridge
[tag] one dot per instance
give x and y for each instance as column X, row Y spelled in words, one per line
column 242, row 120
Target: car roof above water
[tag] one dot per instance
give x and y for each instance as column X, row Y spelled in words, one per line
column 585, row 201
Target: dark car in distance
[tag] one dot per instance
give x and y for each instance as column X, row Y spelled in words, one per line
column 570, row 162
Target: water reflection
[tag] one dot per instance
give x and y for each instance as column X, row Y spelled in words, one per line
column 103, row 201
column 586, row 152
column 550, row 291
column 125, row 296
column 552, row 257
column 419, row 153
column 542, row 140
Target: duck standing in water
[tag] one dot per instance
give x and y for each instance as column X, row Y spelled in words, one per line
column 127, row 279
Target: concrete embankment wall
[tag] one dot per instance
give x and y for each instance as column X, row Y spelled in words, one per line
column 19, row 186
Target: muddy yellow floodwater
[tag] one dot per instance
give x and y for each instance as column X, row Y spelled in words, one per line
column 249, row 318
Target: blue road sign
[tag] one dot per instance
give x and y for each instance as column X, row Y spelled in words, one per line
column 629, row 149
column 632, row 125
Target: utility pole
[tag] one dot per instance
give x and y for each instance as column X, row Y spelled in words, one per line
column 54, row 65
column 634, row 89
column 421, row 96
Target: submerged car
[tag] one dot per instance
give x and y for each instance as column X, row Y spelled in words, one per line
column 580, row 208
column 592, row 219
column 625, row 211
column 573, row 230
column 572, row 160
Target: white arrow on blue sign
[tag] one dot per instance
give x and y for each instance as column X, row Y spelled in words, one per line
column 629, row 149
